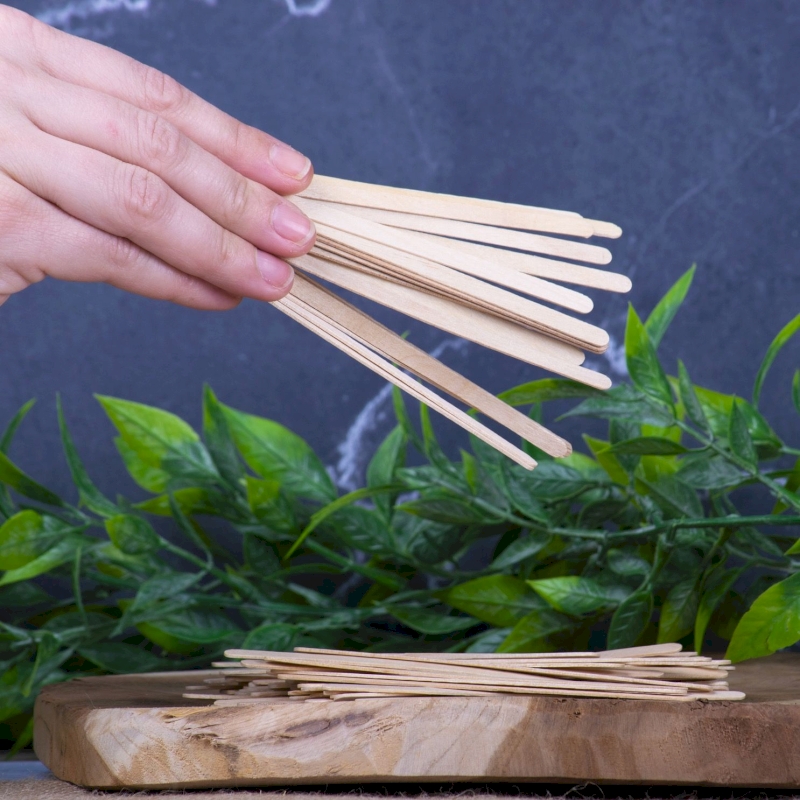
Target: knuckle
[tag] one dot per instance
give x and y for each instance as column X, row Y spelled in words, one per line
column 237, row 197
column 121, row 253
column 228, row 255
column 145, row 197
column 162, row 94
column 159, row 141
column 11, row 75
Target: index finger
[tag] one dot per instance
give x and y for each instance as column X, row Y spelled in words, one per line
column 251, row 152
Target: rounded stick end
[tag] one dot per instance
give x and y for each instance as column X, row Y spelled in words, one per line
column 608, row 230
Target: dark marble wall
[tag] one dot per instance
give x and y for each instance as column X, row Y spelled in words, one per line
column 678, row 120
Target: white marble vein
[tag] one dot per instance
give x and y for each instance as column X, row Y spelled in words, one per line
column 307, row 8
column 355, row 449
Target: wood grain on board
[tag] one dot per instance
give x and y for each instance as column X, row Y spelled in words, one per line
column 137, row 731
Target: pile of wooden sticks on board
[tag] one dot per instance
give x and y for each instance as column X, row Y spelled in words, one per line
column 658, row 672
column 486, row 271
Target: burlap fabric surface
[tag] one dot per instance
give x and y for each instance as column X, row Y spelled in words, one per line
column 49, row 788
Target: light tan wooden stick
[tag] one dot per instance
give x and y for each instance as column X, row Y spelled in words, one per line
column 372, row 334
column 293, row 308
column 487, row 212
column 483, row 266
column 552, row 270
column 487, row 330
column 486, row 234
column 407, row 241
column 492, row 298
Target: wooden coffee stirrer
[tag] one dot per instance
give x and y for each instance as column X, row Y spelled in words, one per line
column 309, row 673
column 454, row 262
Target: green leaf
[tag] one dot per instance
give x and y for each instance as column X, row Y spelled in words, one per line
column 440, row 506
column 163, row 587
column 786, row 333
column 709, row 471
column 499, row 600
column 21, row 540
column 678, row 612
column 630, row 620
column 575, row 595
column 325, row 512
column 627, row 564
column 623, row 402
column 689, row 398
column 532, row 632
column 277, row 637
column 134, row 536
column 90, row 495
column 674, row 497
column 26, row 486
column 718, row 409
column 527, row 546
column 607, row 460
column 554, row 481
column 161, row 440
column 772, row 622
column 717, row 584
column 11, row 428
column 190, row 500
column 486, row 642
column 120, row 658
column 518, row 488
column 547, row 389
column 403, row 420
column 21, row 595
column 643, row 365
column 648, row 446
column 219, row 441
column 430, row 444
column 47, row 648
column 195, row 625
column 364, row 529
column 260, row 556
column 663, row 314
column 275, row 453
column 796, row 391
column 469, row 465
column 739, row 438
column 425, row 541
column 388, row 458
column 57, row 555
column 148, row 477
column 429, row 622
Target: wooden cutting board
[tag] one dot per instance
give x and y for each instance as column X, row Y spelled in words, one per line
column 137, row 731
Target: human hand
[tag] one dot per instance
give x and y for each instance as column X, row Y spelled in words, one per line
column 112, row 172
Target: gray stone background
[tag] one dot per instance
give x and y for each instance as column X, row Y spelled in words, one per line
column 678, row 120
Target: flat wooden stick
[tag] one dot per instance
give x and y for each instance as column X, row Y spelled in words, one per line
column 492, row 298
column 562, row 271
column 486, row 234
column 464, row 307
column 387, row 370
column 393, row 347
column 406, row 240
column 487, row 212
column 487, row 330
column 506, row 276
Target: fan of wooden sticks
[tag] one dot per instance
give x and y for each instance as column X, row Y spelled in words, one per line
column 467, row 266
column 658, row 672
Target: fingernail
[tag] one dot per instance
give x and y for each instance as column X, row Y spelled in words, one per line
column 289, row 162
column 275, row 271
column 290, row 223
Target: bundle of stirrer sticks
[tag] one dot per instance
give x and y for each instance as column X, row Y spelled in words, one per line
column 658, row 672
column 478, row 269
